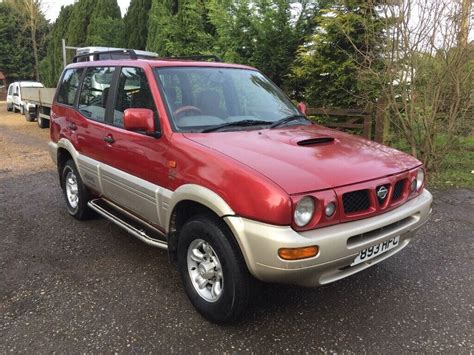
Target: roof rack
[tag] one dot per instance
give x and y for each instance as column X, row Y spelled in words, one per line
column 117, row 53
column 132, row 54
column 214, row 58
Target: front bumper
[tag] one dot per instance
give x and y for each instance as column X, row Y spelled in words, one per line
column 338, row 244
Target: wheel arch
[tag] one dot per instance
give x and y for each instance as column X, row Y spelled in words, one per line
column 190, row 200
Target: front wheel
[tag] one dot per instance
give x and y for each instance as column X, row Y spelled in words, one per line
column 75, row 192
column 212, row 269
column 9, row 108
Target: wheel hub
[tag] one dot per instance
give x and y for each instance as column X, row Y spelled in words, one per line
column 205, row 270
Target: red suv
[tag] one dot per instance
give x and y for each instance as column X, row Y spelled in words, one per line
column 212, row 162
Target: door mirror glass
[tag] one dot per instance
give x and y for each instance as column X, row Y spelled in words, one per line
column 139, row 119
column 302, row 108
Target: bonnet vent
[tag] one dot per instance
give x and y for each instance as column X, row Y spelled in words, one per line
column 315, row 141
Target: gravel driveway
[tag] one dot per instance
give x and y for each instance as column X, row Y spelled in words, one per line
column 70, row 286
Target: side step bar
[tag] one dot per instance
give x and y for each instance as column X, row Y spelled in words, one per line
column 139, row 229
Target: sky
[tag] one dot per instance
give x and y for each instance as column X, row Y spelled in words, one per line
column 51, row 8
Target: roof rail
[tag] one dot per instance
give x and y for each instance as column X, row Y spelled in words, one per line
column 98, row 55
column 214, row 58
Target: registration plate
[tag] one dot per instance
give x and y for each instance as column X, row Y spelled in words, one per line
column 376, row 250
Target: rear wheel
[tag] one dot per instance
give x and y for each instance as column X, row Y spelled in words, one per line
column 42, row 122
column 9, row 107
column 75, row 192
column 212, row 269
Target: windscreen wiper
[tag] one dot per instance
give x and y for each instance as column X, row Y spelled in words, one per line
column 242, row 123
column 288, row 119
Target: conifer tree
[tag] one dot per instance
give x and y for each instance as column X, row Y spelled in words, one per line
column 136, row 24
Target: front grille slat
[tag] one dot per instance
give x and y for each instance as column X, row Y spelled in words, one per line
column 398, row 190
column 356, row 201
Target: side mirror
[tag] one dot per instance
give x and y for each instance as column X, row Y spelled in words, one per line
column 302, row 108
column 15, row 94
column 139, row 119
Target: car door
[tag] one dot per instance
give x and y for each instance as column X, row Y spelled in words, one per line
column 16, row 95
column 135, row 173
column 89, row 125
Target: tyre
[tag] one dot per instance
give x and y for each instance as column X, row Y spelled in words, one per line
column 213, row 271
column 30, row 117
column 75, row 192
column 42, row 123
column 15, row 109
column 9, row 107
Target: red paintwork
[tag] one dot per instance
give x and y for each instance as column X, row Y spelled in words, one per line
column 261, row 174
column 136, row 119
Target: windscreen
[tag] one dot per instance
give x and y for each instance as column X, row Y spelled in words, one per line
column 199, row 98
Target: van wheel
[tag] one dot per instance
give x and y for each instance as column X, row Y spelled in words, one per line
column 75, row 192
column 42, row 123
column 28, row 116
column 9, row 108
column 212, row 270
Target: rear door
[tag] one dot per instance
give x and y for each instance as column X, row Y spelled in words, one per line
column 89, row 122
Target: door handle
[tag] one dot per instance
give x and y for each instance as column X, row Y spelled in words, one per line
column 109, row 139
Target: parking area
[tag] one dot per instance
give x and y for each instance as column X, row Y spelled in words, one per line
column 70, row 286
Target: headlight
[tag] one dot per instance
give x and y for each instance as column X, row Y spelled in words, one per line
column 304, row 211
column 420, row 178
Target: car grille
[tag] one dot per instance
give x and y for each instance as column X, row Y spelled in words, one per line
column 356, row 201
column 398, row 190
column 382, row 200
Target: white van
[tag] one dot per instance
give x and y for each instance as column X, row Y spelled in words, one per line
column 14, row 100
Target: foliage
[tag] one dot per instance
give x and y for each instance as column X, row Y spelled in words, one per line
column 331, row 68
column 16, row 56
column 136, row 24
column 179, row 28
column 84, row 23
column 261, row 33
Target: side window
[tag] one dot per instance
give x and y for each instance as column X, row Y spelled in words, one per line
column 68, row 86
column 95, row 91
column 133, row 92
column 10, row 90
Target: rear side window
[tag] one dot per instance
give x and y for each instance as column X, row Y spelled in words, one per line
column 133, row 92
column 68, row 86
column 95, row 92
column 10, row 90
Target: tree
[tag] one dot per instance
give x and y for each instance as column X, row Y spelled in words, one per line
column 16, row 57
column 136, row 24
column 106, row 25
column 179, row 27
column 262, row 33
column 51, row 66
column 332, row 67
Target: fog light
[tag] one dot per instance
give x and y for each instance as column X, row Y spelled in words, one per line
column 330, row 209
column 298, row 253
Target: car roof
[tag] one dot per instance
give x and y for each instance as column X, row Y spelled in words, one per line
column 157, row 63
column 28, row 83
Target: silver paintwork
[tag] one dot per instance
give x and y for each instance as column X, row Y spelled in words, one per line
column 260, row 242
column 205, row 270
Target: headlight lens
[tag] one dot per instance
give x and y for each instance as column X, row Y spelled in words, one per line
column 420, row 178
column 330, row 209
column 304, row 211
